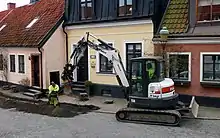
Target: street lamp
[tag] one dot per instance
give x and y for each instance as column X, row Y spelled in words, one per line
column 164, row 32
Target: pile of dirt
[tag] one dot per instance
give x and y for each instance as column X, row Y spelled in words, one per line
column 63, row 110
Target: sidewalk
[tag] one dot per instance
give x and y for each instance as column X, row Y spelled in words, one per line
column 204, row 112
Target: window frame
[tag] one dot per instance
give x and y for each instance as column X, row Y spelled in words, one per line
column 125, row 52
column 19, row 71
column 125, row 14
column 211, row 13
column 86, row 2
column 98, row 62
column 10, row 70
column 189, row 64
column 202, row 66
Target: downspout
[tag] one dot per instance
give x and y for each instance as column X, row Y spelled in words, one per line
column 41, row 67
column 67, row 52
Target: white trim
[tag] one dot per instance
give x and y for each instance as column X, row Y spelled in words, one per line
column 201, row 64
column 9, row 62
column 194, row 41
column 25, row 71
column 189, row 61
column 119, row 33
column 109, row 24
column 98, row 63
column 125, row 52
column 75, row 71
column 89, row 77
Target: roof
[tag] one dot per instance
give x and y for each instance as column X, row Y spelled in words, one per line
column 176, row 17
column 50, row 14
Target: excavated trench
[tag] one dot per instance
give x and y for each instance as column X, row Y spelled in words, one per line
column 42, row 108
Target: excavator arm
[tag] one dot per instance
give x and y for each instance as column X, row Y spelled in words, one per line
column 103, row 48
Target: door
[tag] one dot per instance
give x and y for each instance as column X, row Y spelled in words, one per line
column 35, row 70
column 55, row 77
column 82, row 70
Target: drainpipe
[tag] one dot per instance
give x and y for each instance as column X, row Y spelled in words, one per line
column 66, row 44
column 41, row 67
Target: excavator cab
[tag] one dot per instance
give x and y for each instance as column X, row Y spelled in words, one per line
column 143, row 71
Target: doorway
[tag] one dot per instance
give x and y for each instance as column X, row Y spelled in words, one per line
column 55, row 77
column 35, row 70
column 82, row 70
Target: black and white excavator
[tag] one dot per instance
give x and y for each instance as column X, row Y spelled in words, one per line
column 151, row 97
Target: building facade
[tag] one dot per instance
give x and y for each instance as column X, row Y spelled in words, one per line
column 126, row 25
column 31, row 46
column 194, row 42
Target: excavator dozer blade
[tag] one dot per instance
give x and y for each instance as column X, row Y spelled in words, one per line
column 193, row 109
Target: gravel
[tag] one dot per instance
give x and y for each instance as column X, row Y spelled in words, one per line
column 94, row 125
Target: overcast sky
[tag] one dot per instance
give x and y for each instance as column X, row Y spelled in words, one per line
column 3, row 3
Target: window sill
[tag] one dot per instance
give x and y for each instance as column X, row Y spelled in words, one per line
column 211, row 84
column 184, row 83
column 21, row 72
column 105, row 73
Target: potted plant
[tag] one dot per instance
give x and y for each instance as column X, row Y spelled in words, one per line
column 88, row 85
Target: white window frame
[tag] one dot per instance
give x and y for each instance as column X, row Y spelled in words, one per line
column 189, row 62
column 24, row 63
column 9, row 63
column 2, row 27
column 125, row 51
column 98, row 61
column 201, row 65
column 32, row 22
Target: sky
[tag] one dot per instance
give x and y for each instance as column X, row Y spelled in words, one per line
column 3, row 3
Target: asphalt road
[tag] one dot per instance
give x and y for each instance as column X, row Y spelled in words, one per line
column 93, row 125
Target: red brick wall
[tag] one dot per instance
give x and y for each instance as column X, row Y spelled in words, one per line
column 195, row 88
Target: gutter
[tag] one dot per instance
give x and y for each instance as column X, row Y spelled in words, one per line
column 67, row 52
column 41, row 67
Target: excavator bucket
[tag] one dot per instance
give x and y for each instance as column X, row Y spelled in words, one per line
column 193, row 109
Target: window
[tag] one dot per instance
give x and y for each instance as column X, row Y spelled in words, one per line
column 179, row 66
column 21, row 63
column 32, row 23
column 86, row 9
column 125, row 7
column 1, row 61
column 208, row 10
column 132, row 50
column 12, row 63
column 104, row 65
column 2, row 27
column 211, row 68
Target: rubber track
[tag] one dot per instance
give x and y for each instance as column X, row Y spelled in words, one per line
column 145, row 112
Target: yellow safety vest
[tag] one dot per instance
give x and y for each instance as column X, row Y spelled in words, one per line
column 51, row 88
column 151, row 73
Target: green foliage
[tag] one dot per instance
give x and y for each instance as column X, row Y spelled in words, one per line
column 88, row 83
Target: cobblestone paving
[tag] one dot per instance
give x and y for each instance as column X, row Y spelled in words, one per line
column 93, row 125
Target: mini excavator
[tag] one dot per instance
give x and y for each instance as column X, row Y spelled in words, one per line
column 151, row 97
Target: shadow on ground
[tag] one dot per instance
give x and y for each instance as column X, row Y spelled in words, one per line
column 63, row 110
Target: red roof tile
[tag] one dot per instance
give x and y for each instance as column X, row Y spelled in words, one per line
column 16, row 33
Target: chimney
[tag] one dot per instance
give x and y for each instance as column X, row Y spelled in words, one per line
column 11, row 6
column 33, row 1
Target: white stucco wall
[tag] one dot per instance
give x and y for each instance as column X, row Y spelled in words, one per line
column 15, row 77
column 53, row 58
column 54, row 55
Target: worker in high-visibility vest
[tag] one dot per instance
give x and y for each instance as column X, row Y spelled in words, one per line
column 150, row 70
column 53, row 94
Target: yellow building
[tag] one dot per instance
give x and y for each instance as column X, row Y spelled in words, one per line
column 132, row 39
column 127, row 26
